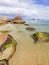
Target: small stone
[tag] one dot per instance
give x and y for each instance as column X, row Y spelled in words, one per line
column 26, row 24
column 30, row 28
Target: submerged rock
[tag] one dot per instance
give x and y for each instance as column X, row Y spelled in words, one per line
column 7, row 46
column 26, row 24
column 40, row 36
column 20, row 31
column 4, row 31
column 18, row 20
column 30, row 28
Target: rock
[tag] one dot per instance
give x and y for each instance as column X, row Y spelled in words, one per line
column 7, row 46
column 4, row 31
column 40, row 37
column 3, row 20
column 33, row 19
column 26, row 24
column 8, row 21
column 30, row 28
column 19, row 31
column 18, row 20
column 3, row 38
column 4, row 62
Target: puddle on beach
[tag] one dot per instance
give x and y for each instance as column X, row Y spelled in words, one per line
column 27, row 53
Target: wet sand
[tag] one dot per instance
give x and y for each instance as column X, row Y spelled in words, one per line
column 27, row 53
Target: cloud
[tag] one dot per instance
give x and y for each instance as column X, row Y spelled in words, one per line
column 26, row 8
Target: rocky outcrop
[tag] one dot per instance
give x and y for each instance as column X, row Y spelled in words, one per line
column 30, row 28
column 7, row 46
column 40, row 37
column 18, row 20
column 3, row 20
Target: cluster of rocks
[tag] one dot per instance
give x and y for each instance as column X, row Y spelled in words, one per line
column 17, row 20
column 40, row 37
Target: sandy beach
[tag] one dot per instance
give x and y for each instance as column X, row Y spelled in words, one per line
column 27, row 53
column 24, row 32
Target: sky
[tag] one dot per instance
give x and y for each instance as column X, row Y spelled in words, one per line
column 27, row 8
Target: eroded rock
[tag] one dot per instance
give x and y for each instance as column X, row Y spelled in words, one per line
column 7, row 46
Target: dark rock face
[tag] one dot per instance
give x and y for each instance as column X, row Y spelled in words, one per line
column 40, row 36
column 8, row 21
column 18, row 22
column 30, row 28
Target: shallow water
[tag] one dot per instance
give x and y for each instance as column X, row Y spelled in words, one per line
column 28, row 53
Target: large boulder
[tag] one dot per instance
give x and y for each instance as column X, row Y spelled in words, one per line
column 7, row 46
column 18, row 20
column 40, row 37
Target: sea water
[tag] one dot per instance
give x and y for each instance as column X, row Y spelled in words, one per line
column 28, row 53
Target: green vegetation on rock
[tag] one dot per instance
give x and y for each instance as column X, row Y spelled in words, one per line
column 4, row 31
column 40, row 36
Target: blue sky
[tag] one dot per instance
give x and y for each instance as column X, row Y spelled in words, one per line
column 28, row 8
column 42, row 2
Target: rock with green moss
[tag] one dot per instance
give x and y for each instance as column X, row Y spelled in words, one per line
column 41, row 37
column 4, row 31
column 7, row 46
